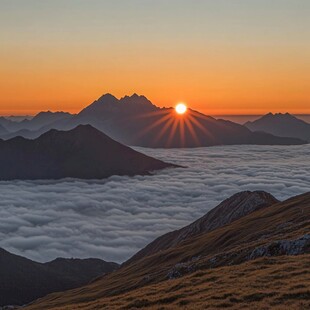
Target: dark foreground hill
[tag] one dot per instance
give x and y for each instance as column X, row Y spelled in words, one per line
column 83, row 152
column 282, row 125
column 134, row 120
column 23, row 280
column 258, row 259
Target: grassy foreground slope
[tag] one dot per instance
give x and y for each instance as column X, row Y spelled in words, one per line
column 259, row 261
column 265, row 283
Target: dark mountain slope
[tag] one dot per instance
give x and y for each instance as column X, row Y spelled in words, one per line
column 283, row 125
column 231, row 209
column 83, row 152
column 23, row 280
column 274, row 231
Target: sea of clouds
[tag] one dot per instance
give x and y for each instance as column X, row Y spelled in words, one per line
column 114, row 218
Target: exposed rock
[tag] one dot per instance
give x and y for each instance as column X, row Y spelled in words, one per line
column 231, row 209
column 180, row 269
column 283, row 247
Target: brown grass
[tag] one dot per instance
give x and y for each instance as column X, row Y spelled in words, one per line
column 261, row 283
column 256, row 288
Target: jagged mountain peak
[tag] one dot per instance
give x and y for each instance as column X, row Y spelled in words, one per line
column 109, row 104
column 107, row 97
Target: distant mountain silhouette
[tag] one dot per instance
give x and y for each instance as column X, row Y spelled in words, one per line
column 283, row 125
column 25, row 133
column 108, row 106
column 3, row 131
column 18, row 118
column 6, row 123
column 83, row 152
column 42, row 119
column 23, row 280
column 134, row 120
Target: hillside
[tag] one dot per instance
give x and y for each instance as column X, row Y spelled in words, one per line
column 282, row 125
column 207, row 265
column 23, row 280
column 231, row 209
column 83, row 152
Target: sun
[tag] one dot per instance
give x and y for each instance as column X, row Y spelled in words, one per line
column 181, row 108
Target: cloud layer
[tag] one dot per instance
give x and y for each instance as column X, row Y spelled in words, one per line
column 114, row 218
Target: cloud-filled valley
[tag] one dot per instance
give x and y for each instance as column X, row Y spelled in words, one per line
column 114, row 218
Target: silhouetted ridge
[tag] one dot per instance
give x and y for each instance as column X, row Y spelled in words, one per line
column 135, row 120
column 3, row 131
column 83, row 152
column 281, row 125
column 23, row 280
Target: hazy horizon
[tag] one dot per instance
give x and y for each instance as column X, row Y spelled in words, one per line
column 237, row 118
column 220, row 57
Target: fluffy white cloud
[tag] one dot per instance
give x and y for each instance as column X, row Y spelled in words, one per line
column 114, row 218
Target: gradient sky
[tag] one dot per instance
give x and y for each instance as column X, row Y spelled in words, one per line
column 219, row 56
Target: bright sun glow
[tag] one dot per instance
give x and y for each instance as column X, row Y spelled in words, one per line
column 181, row 108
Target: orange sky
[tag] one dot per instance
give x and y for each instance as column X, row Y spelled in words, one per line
column 217, row 57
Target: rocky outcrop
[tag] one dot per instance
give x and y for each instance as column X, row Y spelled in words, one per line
column 298, row 246
column 283, row 247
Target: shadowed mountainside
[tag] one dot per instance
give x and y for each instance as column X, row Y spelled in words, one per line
column 134, row 120
column 225, row 213
column 23, row 280
column 282, row 125
column 83, row 152
column 207, row 265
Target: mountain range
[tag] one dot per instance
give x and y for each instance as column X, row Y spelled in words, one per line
column 23, row 280
column 250, row 251
column 282, row 125
column 134, row 120
column 83, row 152
column 3, row 131
column 35, row 123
